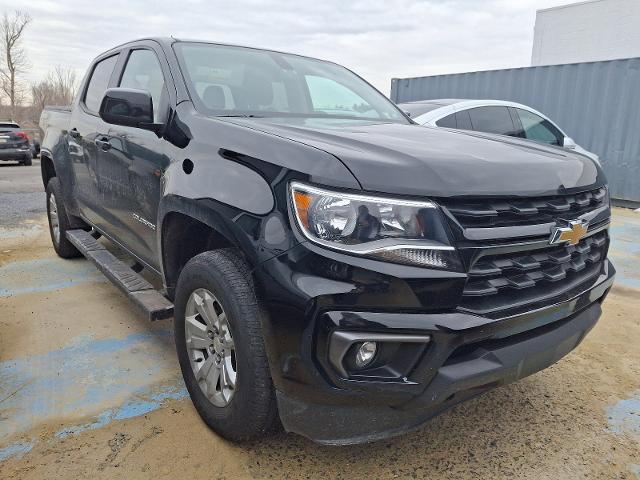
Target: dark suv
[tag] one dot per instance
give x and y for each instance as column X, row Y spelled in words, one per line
column 332, row 264
column 14, row 144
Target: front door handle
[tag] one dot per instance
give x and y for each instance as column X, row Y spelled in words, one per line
column 103, row 143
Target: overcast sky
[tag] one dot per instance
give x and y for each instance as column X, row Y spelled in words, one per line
column 378, row 39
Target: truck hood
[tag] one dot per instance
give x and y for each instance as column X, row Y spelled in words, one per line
column 415, row 160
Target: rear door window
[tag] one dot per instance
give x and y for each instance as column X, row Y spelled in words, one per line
column 448, row 122
column 98, row 83
column 492, row 119
column 463, row 120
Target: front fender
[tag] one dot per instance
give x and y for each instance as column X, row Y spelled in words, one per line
column 258, row 237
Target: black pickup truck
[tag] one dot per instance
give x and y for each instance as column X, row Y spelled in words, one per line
column 327, row 262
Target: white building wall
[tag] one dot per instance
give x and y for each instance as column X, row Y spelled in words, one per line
column 587, row 31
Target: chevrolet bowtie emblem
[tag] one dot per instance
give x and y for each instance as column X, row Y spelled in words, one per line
column 570, row 234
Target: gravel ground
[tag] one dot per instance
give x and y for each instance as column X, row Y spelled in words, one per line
column 89, row 389
column 17, row 207
column 21, row 194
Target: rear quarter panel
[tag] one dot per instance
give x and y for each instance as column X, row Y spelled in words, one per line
column 54, row 122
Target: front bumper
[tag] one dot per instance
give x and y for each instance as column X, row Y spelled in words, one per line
column 308, row 298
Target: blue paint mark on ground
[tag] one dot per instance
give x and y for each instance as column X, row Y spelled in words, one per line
column 15, row 450
column 108, row 379
column 624, row 416
column 44, row 275
column 625, row 249
column 635, row 469
column 141, row 404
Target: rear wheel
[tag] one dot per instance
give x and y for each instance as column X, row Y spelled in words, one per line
column 218, row 333
column 27, row 160
column 59, row 221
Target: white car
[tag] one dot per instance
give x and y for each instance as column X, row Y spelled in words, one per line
column 492, row 116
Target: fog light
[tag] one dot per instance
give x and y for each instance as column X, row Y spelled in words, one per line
column 366, row 353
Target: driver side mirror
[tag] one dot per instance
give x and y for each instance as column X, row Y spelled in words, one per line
column 568, row 142
column 129, row 108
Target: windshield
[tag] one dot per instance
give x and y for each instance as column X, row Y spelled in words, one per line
column 240, row 81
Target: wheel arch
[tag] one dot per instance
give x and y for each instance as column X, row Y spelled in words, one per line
column 47, row 167
column 189, row 227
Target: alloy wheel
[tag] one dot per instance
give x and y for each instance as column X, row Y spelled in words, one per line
column 210, row 347
column 53, row 218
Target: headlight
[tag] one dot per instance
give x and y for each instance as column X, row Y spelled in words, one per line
column 393, row 230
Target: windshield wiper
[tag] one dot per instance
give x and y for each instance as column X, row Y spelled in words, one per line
column 240, row 115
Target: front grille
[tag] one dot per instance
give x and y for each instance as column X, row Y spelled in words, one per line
column 502, row 281
column 518, row 211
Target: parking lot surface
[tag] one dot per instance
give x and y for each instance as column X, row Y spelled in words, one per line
column 90, row 389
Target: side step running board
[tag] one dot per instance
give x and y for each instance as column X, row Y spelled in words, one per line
column 139, row 290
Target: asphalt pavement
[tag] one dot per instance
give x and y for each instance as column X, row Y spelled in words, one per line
column 21, row 193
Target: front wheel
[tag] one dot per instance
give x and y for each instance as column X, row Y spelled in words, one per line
column 218, row 333
column 59, row 221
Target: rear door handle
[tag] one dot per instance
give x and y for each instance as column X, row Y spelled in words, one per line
column 74, row 133
column 103, row 143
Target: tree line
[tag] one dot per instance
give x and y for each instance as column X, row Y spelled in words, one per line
column 26, row 100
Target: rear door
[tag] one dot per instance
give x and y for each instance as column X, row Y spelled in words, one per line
column 132, row 160
column 81, row 141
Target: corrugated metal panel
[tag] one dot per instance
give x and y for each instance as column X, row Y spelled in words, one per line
column 596, row 103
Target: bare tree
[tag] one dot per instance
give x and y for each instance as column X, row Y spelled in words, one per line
column 65, row 81
column 58, row 88
column 15, row 61
column 41, row 95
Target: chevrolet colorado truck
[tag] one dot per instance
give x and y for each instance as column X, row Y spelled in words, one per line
column 329, row 264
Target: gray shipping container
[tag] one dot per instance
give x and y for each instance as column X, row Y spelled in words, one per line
column 596, row 103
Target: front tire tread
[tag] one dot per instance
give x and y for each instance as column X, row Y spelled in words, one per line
column 252, row 412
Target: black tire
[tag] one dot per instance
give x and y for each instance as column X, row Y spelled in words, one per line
column 63, row 247
column 252, row 410
column 28, row 161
